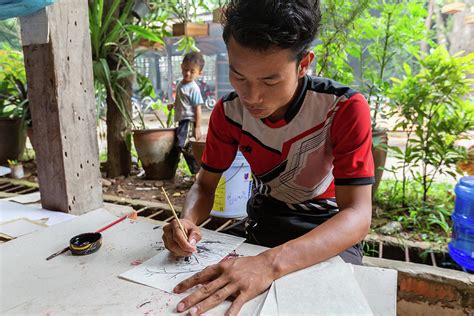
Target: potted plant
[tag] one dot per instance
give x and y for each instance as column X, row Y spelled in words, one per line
column 217, row 13
column 16, row 169
column 156, row 148
column 182, row 10
column 453, row 7
column 14, row 110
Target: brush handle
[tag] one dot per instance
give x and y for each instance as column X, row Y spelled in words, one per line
column 174, row 213
column 112, row 224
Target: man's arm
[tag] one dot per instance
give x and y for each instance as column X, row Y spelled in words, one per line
column 337, row 234
column 200, row 197
column 246, row 277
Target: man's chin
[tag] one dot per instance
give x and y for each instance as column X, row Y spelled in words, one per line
column 260, row 114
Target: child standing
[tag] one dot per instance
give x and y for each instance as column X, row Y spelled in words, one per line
column 187, row 107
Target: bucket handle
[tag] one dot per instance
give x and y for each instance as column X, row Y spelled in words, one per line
column 227, row 180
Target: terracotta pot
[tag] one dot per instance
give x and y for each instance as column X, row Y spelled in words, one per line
column 217, row 15
column 190, row 29
column 198, row 148
column 157, row 151
column 379, row 143
column 29, row 133
column 17, row 171
column 13, row 139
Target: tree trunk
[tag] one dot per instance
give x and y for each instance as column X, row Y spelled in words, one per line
column 424, row 44
column 119, row 157
column 118, row 130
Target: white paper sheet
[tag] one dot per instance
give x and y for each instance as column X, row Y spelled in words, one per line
column 323, row 289
column 4, row 170
column 25, row 198
column 19, row 227
column 11, row 210
column 164, row 271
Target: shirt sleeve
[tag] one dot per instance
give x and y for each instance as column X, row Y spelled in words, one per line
column 195, row 97
column 351, row 137
column 222, row 141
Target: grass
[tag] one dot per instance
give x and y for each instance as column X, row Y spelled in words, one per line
column 427, row 222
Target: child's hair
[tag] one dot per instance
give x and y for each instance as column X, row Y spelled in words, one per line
column 194, row 58
column 264, row 24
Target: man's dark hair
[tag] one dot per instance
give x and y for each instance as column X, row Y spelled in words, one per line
column 194, row 58
column 266, row 24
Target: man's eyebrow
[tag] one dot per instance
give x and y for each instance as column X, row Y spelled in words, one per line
column 233, row 69
column 269, row 77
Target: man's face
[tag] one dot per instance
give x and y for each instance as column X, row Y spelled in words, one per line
column 190, row 72
column 266, row 82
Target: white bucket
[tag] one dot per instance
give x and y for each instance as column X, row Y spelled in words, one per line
column 233, row 190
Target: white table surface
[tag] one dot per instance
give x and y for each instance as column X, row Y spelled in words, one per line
column 89, row 284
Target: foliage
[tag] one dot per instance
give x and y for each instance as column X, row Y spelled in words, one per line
column 363, row 43
column 430, row 220
column 13, row 162
column 388, row 33
column 434, row 113
column 337, row 27
column 9, row 33
column 13, row 93
column 112, row 34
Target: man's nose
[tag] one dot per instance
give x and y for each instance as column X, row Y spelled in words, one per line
column 251, row 95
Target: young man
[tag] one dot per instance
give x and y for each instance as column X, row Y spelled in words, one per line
column 308, row 142
column 188, row 106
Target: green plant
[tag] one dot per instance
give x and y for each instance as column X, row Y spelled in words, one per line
column 337, row 27
column 112, row 34
column 434, row 112
column 430, row 220
column 13, row 163
column 388, row 33
column 9, row 33
column 13, row 95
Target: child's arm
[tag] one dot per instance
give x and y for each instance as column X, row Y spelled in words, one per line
column 197, row 127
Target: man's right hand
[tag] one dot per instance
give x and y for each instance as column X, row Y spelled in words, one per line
column 176, row 242
column 170, row 106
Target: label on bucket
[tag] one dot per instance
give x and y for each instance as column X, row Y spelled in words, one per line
column 219, row 198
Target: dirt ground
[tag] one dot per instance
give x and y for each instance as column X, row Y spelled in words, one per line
column 135, row 186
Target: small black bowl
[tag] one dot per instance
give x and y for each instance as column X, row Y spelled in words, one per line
column 85, row 244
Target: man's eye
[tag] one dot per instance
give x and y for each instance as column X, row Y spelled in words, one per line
column 271, row 83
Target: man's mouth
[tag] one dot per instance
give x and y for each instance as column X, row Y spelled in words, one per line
column 255, row 111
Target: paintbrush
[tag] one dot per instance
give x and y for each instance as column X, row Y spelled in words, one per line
column 177, row 219
column 174, row 213
column 132, row 215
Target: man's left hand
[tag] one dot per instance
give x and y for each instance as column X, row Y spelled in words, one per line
column 241, row 278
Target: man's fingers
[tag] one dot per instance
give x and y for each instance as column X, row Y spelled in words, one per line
column 180, row 239
column 199, row 278
column 236, row 306
column 205, row 291
column 213, row 300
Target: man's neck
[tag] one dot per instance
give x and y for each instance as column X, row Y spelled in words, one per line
column 280, row 113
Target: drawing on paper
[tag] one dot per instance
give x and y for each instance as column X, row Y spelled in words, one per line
column 165, row 270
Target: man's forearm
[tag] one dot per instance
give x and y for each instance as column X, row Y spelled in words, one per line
column 198, row 204
column 327, row 240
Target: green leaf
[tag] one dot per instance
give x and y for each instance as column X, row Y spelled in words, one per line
column 144, row 33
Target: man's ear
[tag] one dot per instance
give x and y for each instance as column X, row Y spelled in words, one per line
column 305, row 63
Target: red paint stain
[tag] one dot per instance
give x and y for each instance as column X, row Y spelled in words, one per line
column 136, row 262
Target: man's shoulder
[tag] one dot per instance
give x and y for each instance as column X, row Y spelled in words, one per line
column 329, row 86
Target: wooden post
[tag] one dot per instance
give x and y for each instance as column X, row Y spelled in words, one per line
column 57, row 49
